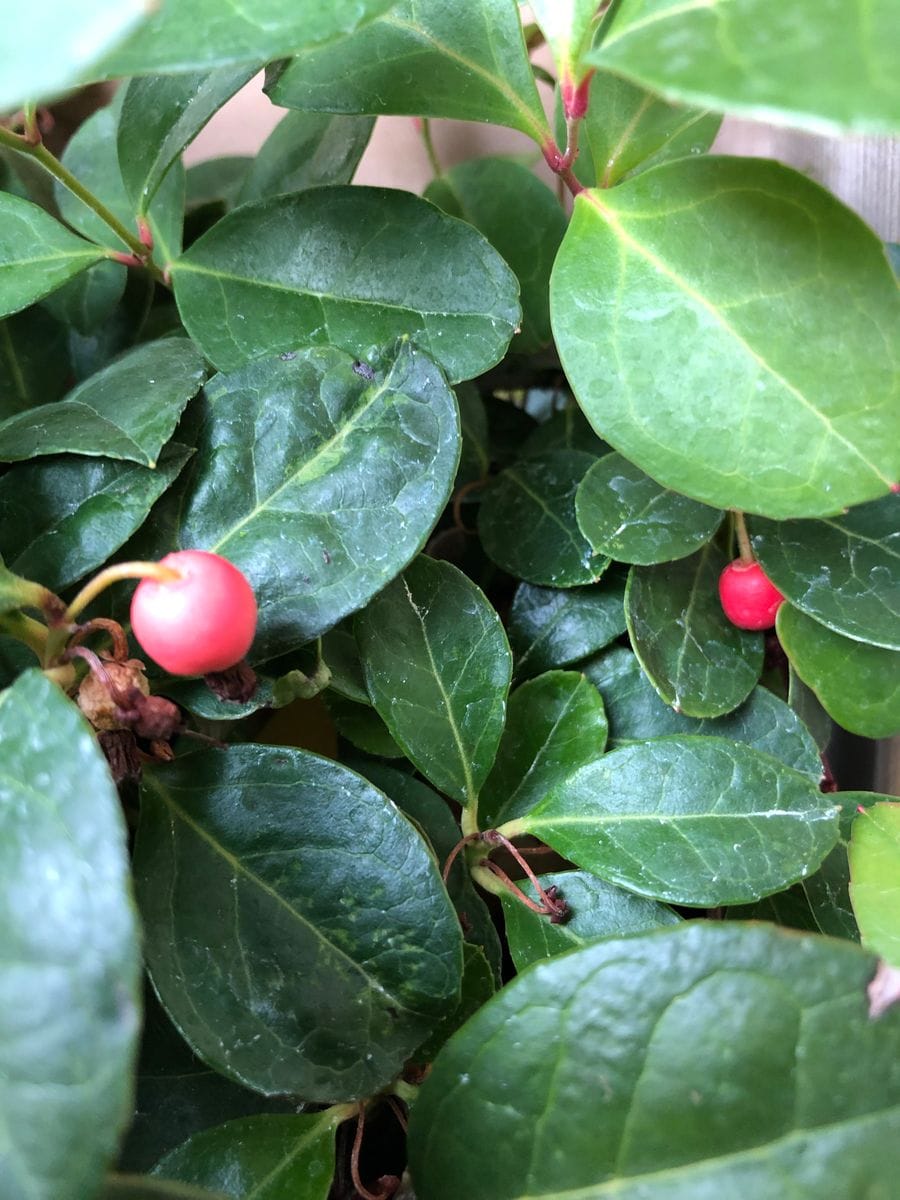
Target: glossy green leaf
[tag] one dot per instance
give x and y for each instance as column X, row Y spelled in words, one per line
column 771, row 62
column 129, row 410
column 627, row 129
column 697, row 661
column 178, row 1095
column 70, row 970
column 361, row 725
column 91, row 157
column 63, row 517
column 437, row 666
column 307, row 150
column 307, row 268
column 432, row 58
column 857, row 684
column 624, row 513
column 37, row 253
column 875, row 879
column 523, row 221
column 527, row 521
column 636, row 713
column 551, row 627
column 821, row 902
column 596, row 910
column 777, row 327
column 35, row 68
column 334, row 890
column 692, row 820
column 34, row 361
column 143, row 1187
column 270, row 1157
column 160, row 115
column 188, row 35
column 352, row 471
column 568, row 26
column 692, row 1062
column 844, row 571
column 89, row 300
column 431, row 815
column 554, row 725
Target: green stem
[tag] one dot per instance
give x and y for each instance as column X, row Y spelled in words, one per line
column 114, row 574
column 32, row 132
column 406, row 1091
column 52, row 164
column 743, row 538
column 430, row 150
column 26, row 630
column 469, row 820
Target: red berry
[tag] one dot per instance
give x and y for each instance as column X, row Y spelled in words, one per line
column 750, row 599
column 202, row 622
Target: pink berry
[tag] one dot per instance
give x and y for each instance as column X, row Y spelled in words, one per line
column 200, row 623
column 748, row 596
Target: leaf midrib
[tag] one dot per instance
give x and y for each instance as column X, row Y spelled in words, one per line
column 668, row 819
column 239, row 867
column 296, row 479
column 322, row 297
column 616, row 225
column 468, row 779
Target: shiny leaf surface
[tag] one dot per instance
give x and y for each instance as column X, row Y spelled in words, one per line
column 342, row 265
column 697, row 1060
column 625, row 514
column 266, row 915
column 160, row 115
column 697, row 661
column 857, row 684
column 765, row 61
column 127, row 411
column 92, row 158
column 432, row 58
column 353, row 470
column 523, row 221
column 691, row 820
column 69, row 945
column 627, row 129
column 306, row 150
column 874, row 875
column 437, row 666
column 554, row 725
column 168, row 42
column 270, row 1157
column 844, row 572
column 636, row 713
column 431, row 815
column 596, row 910
column 551, row 627
column 37, row 253
column 776, row 328
column 63, row 517
column 527, row 521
